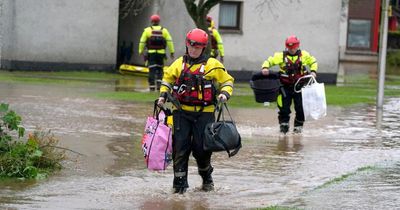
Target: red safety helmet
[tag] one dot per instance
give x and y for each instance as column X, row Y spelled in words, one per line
column 197, row 37
column 292, row 42
column 155, row 18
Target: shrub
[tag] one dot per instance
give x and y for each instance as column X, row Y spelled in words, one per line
column 35, row 157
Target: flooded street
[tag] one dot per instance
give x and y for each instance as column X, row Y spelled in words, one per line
column 350, row 144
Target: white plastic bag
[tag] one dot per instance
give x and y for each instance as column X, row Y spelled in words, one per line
column 314, row 101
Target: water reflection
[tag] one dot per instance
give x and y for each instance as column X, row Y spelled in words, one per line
column 139, row 84
column 289, row 145
column 175, row 204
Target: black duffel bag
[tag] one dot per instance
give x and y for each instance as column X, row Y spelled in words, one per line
column 222, row 135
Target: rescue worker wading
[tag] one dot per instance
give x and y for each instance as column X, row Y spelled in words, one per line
column 292, row 62
column 217, row 46
column 155, row 38
column 193, row 79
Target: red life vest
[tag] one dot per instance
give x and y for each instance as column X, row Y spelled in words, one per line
column 191, row 88
column 292, row 70
column 156, row 41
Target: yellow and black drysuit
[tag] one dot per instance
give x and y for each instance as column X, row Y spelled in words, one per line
column 292, row 67
column 195, row 83
column 155, row 38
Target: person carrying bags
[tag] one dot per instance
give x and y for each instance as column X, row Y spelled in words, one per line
column 193, row 80
column 292, row 62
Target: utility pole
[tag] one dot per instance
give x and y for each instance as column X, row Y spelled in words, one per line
column 382, row 54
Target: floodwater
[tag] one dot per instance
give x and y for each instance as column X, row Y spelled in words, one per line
column 270, row 169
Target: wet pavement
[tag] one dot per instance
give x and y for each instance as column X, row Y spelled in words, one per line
column 270, row 169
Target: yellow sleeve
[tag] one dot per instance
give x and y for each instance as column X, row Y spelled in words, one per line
column 170, row 75
column 277, row 59
column 220, row 44
column 215, row 70
column 169, row 41
column 309, row 60
column 143, row 40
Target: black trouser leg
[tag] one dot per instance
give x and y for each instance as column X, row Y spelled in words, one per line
column 181, row 145
column 155, row 64
column 151, row 78
column 188, row 138
column 203, row 158
column 298, row 107
column 284, row 110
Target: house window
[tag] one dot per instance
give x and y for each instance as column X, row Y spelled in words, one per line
column 229, row 15
column 359, row 35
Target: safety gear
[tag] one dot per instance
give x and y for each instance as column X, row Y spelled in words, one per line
column 284, row 128
column 180, row 190
column 293, row 70
column 298, row 129
column 192, row 89
column 155, row 18
column 180, row 183
column 147, row 33
column 213, row 71
column 292, row 42
column 197, row 37
column 156, row 40
column 208, row 183
column 217, row 46
column 278, row 59
column 209, row 19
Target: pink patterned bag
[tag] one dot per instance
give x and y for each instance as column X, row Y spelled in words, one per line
column 157, row 141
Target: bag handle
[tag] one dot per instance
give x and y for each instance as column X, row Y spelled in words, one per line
column 310, row 81
column 157, row 110
column 220, row 109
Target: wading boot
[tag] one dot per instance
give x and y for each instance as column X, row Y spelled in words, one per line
column 298, row 129
column 180, row 190
column 208, row 183
column 284, row 128
column 180, row 182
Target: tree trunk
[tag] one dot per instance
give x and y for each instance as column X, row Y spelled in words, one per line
column 199, row 15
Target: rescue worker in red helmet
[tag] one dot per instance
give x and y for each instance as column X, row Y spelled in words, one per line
column 217, row 46
column 155, row 38
column 292, row 62
column 193, row 80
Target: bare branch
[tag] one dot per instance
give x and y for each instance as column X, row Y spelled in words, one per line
column 132, row 7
